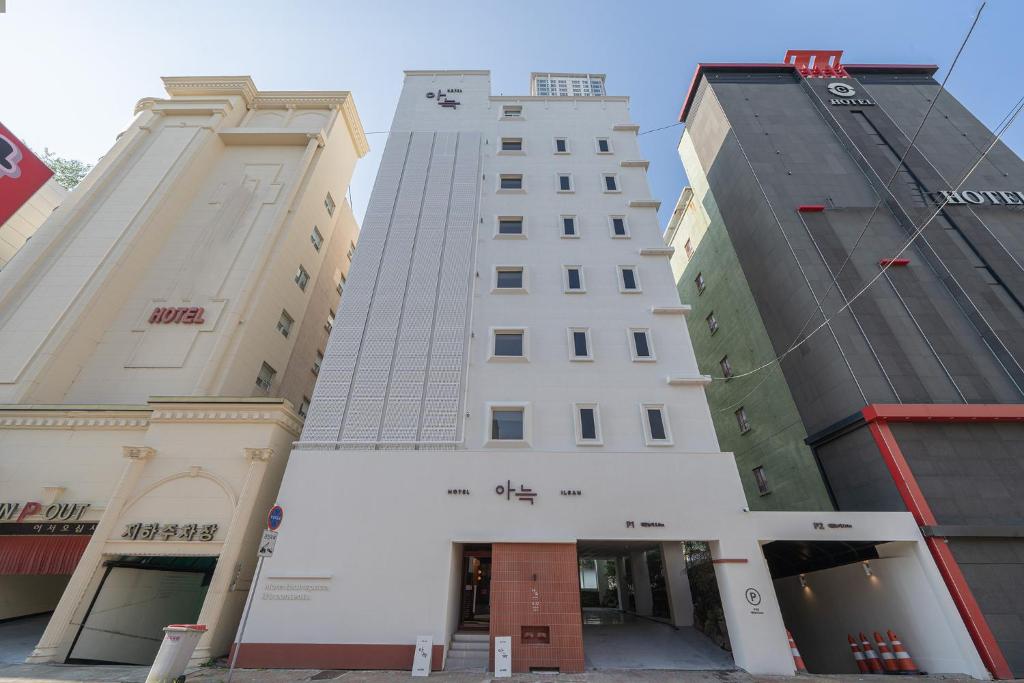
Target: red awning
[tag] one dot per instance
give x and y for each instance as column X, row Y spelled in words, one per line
column 54, row 555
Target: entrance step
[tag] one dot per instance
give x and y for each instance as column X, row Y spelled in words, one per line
column 468, row 652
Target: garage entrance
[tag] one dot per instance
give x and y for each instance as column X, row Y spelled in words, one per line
column 647, row 605
column 136, row 598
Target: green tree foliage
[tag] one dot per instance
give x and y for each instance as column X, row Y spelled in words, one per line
column 67, row 172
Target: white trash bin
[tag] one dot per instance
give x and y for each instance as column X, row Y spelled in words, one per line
column 179, row 643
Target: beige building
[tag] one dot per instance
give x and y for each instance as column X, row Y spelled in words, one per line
column 161, row 335
column 23, row 224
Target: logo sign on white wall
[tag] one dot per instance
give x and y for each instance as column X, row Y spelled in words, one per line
column 421, row 658
column 503, row 657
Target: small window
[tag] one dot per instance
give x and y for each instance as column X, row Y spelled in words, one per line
column 699, row 281
column 301, row 278
column 561, row 146
column 640, row 344
column 588, row 424
column 511, row 144
column 618, row 226
column 317, row 362
column 579, row 344
column 507, row 424
column 565, row 182
column 329, row 204
column 265, row 379
column 329, row 325
column 284, row 324
column 510, row 225
column 316, row 238
column 656, row 430
column 604, row 146
column 574, row 279
column 351, row 250
column 629, row 281
column 712, row 322
column 341, row 285
column 742, row 420
column 761, row 477
column 304, row 406
column 569, row 226
column 510, row 111
column 508, row 278
column 509, row 343
column 611, row 182
column 726, row 367
column 688, row 248
column 510, row 181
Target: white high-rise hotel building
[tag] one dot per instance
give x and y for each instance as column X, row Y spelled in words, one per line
column 510, row 389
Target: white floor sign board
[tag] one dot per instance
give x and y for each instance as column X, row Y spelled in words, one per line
column 503, row 657
column 421, row 658
column 267, row 543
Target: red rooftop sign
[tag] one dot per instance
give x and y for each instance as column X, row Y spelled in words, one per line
column 817, row 63
column 21, row 174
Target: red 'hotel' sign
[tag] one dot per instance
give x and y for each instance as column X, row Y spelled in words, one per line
column 21, row 174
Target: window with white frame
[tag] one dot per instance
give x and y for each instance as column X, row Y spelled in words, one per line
column 565, row 182
column 318, row 362
column 302, row 278
column 603, row 146
column 569, row 226
column 561, row 145
column 265, row 378
column 742, row 421
column 573, row 279
column 656, row 430
column 512, row 111
column 629, row 279
column 507, row 423
column 761, row 478
column 588, row 424
column 510, row 226
column 284, row 324
column 511, row 144
column 329, row 204
column 640, row 344
column 316, row 238
column 508, row 344
column 579, row 344
column 304, row 406
column 610, row 182
column 510, row 182
column 509, row 278
column 618, row 227
column 726, row 367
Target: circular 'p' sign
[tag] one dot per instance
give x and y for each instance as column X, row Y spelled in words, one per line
column 753, row 597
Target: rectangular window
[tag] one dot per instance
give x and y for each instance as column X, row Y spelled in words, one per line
column 510, row 225
column 509, row 278
column 618, row 225
column 511, row 181
column 304, row 406
column 511, row 111
column 761, row 477
column 628, row 280
column 317, row 362
column 511, row 144
column 565, row 182
column 699, row 281
column 656, row 425
column 329, row 204
column 507, row 424
column 265, row 379
column 316, row 238
column 742, row 420
column 688, row 247
column 726, row 367
column 569, row 226
column 579, row 343
column 640, row 344
column 604, row 146
column 329, row 325
column 588, row 424
column 301, row 278
column 611, row 182
column 712, row 322
column 508, row 343
column 351, row 250
column 341, row 285
column 574, row 279
column 284, row 324
column 561, row 146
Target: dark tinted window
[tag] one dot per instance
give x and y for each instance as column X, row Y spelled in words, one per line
column 560, row 145
column 588, row 423
column 619, row 226
column 602, row 145
column 508, row 344
column 507, row 424
column 628, row 278
column 512, row 182
column 510, row 226
column 510, row 279
column 657, row 424
column 609, row 182
column 568, row 226
column 579, row 344
column 574, row 279
column 563, row 182
column 643, row 350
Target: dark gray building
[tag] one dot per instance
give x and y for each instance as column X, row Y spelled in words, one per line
column 912, row 394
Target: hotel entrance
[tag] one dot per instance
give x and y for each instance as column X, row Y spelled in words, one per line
column 475, row 614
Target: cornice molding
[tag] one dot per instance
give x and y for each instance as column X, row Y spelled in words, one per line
column 104, row 421
column 282, row 416
column 211, row 85
column 318, row 99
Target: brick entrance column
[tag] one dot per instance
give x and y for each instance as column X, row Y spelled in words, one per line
column 537, row 585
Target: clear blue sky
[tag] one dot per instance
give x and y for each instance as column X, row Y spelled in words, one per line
column 74, row 69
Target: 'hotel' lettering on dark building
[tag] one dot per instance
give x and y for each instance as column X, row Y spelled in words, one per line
column 1012, row 197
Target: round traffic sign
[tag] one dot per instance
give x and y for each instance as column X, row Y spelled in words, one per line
column 275, row 517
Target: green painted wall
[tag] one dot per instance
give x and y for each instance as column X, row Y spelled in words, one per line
column 776, row 438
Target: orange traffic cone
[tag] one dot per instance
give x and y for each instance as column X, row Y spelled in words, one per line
column 798, row 661
column 858, row 656
column 870, row 656
column 888, row 661
column 904, row 663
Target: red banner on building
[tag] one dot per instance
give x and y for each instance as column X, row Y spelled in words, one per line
column 21, row 174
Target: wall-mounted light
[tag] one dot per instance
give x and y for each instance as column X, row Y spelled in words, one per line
column 867, row 568
column 803, row 581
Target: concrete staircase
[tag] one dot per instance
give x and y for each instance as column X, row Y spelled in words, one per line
column 468, row 652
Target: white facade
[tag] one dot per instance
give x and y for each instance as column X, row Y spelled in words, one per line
column 20, row 227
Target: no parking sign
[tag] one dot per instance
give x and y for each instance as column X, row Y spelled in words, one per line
column 275, row 517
